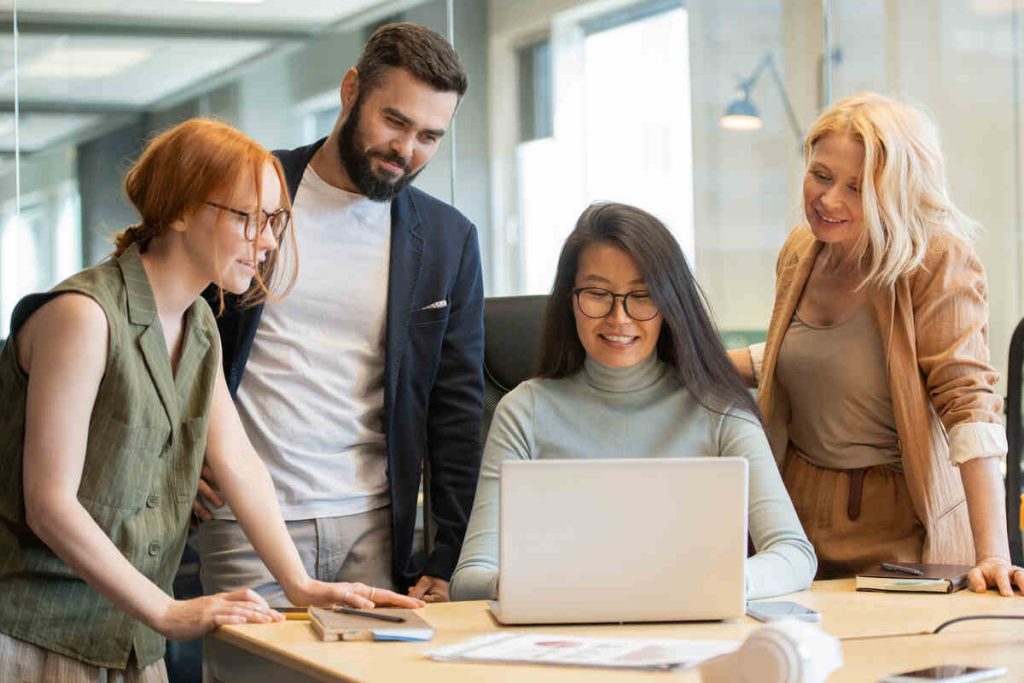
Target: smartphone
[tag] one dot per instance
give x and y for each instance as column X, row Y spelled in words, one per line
column 947, row 673
column 773, row 611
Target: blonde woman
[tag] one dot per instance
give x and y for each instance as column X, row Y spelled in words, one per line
column 875, row 381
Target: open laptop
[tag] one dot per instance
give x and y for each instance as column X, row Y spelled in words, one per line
column 585, row 541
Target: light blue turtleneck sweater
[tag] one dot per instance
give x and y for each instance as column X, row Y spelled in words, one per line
column 641, row 411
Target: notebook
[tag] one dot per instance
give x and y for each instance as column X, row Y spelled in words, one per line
column 937, row 578
column 331, row 625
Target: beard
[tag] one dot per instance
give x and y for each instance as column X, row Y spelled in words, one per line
column 356, row 158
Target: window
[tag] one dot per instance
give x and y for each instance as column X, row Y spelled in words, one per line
column 604, row 115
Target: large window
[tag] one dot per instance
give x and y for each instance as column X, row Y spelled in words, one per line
column 604, row 115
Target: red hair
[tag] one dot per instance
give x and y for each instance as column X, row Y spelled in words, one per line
column 181, row 168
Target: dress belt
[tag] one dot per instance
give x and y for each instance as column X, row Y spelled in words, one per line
column 856, row 491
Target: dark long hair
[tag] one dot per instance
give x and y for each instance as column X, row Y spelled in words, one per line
column 688, row 340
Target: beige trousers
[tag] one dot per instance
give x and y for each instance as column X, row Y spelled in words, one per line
column 854, row 518
column 22, row 662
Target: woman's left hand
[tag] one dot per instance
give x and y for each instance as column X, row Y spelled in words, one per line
column 359, row 595
column 996, row 572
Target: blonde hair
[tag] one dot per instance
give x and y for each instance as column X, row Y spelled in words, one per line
column 904, row 192
column 184, row 166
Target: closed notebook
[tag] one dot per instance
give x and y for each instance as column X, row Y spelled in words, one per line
column 331, row 625
column 937, row 578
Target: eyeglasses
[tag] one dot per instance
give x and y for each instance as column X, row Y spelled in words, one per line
column 595, row 302
column 278, row 221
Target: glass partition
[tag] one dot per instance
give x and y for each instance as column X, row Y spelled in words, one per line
column 691, row 109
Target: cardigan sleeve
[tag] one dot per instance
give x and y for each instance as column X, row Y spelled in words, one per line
column 785, row 561
column 949, row 294
column 509, row 438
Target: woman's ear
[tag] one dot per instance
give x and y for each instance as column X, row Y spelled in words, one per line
column 180, row 224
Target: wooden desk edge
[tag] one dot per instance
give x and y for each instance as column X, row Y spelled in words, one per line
column 256, row 647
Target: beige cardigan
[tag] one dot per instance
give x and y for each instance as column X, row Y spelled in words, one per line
column 934, row 325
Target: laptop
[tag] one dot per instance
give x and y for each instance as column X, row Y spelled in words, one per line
column 591, row 541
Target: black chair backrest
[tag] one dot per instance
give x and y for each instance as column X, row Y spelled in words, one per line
column 1014, row 441
column 512, row 326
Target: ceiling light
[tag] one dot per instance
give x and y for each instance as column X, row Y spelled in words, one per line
column 85, row 62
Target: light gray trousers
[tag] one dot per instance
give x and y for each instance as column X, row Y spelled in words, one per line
column 349, row 548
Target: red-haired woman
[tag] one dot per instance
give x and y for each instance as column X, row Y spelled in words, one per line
column 112, row 394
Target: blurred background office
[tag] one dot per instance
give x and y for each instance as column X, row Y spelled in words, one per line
column 692, row 109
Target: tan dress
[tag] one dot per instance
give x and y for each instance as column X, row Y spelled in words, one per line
column 844, row 446
column 933, row 324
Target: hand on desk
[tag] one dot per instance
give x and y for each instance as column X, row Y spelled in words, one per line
column 188, row 619
column 314, row 592
column 201, row 513
column 996, row 572
column 430, row 589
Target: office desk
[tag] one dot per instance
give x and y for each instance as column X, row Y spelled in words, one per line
column 881, row 633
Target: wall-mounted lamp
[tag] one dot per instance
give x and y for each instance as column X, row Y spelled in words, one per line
column 743, row 114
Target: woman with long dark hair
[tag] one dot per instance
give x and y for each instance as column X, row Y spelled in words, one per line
column 630, row 363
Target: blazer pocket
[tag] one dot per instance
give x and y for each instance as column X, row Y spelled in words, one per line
column 121, row 471
column 428, row 316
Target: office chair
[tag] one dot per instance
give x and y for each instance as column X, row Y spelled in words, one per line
column 511, row 341
column 512, row 327
column 1013, row 440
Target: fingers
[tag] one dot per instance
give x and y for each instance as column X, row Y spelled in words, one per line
column 210, row 494
column 976, row 580
column 201, row 512
column 244, row 612
column 206, row 474
column 244, row 595
column 420, row 589
column 1002, row 576
column 1017, row 578
column 354, row 599
column 390, row 598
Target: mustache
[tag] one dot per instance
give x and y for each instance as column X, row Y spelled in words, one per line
column 395, row 158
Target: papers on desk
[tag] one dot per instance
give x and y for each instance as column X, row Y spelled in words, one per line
column 565, row 650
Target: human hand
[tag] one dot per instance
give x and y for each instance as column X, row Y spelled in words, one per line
column 188, row 619
column 430, row 589
column 315, row 592
column 996, row 572
column 207, row 491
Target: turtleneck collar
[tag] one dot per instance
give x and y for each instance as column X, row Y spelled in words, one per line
column 619, row 380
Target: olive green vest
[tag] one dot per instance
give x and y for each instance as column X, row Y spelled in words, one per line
column 147, row 438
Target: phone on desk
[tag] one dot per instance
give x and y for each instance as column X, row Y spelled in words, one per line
column 782, row 609
column 947, row 673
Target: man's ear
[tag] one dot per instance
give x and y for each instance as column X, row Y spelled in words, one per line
column 349, row 89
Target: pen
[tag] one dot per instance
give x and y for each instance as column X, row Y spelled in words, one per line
column 368, row 614
column 890, row 567
column 293, row 613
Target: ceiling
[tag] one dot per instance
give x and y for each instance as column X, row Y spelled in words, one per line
column 81, row 62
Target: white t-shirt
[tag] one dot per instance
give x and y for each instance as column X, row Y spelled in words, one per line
column 312, row 394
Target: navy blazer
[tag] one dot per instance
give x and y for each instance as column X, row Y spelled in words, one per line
column 433, row 376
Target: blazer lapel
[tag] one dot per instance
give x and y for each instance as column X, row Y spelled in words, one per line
column 192, row 354
column 406, row 258
column 142, row 314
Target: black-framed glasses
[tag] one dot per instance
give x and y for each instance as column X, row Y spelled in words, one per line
column 278, row 221
column 596, row 302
